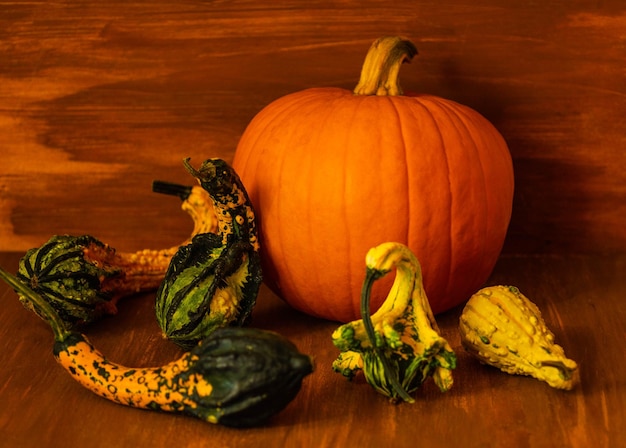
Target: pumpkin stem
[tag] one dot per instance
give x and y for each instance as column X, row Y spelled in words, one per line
column 379, row 75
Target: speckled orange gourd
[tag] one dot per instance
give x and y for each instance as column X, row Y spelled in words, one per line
column 235, row 377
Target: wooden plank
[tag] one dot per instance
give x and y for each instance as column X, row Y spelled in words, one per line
column 98, row 99
column 581, row 298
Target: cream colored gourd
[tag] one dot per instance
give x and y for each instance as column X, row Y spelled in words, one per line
column 503, row 328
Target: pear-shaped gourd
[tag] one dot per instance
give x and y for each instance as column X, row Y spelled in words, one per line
column 501, row 327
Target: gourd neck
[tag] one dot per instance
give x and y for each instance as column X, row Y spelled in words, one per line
column 379, row 75
column 388, row 256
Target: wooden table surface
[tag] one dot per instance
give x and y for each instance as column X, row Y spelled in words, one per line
column 98, row 99
column 582, row 299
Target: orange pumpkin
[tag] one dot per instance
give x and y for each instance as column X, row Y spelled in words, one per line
column 332, row 173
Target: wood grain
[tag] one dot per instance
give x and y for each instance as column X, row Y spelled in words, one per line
column 98, row 99
column 582, row 302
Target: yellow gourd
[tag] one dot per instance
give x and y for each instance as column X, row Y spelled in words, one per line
column 399, row 346
column 503, row 328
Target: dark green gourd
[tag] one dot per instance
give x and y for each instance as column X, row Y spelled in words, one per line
column 65, row 272
column 212, row 282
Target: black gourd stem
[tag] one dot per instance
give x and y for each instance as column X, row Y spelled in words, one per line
column 370, row 277
column 163, row 187
column 51, row 316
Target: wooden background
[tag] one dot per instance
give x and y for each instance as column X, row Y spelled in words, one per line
column 97, row 99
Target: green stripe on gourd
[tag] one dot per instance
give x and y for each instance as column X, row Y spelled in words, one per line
column 213, row 281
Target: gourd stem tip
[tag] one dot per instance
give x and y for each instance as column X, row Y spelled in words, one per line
column 194, row 172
